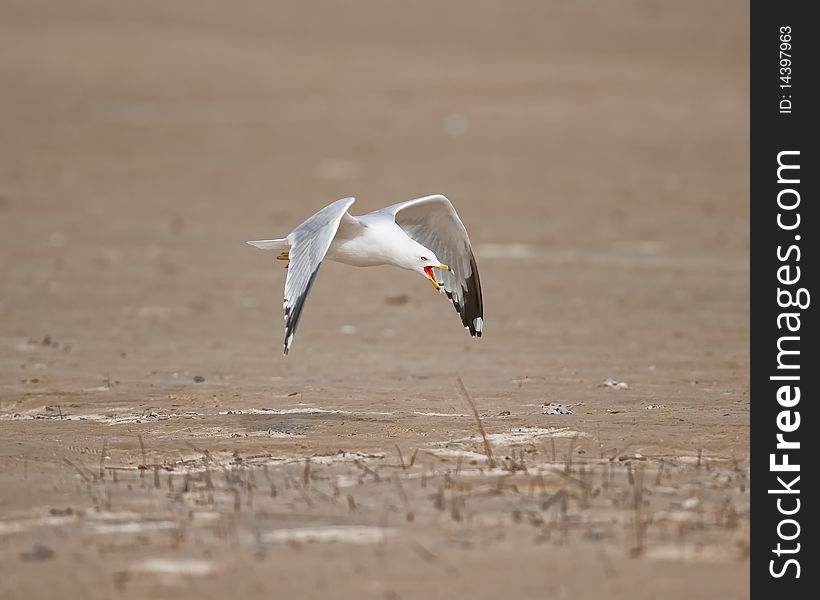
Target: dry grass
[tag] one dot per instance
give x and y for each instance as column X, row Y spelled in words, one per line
column 488, row 450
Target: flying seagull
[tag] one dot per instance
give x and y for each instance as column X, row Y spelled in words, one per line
column 416, row 235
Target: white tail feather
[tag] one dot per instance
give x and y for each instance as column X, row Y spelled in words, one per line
column 281, row 244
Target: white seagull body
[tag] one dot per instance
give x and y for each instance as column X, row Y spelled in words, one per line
column 416, row 235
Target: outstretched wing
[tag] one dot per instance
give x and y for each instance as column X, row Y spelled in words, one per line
column 308, row 245
column 433, row 222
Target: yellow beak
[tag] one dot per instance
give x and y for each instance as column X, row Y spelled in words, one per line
column 429, row 272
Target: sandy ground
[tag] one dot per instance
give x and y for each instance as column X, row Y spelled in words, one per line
column 597, row 152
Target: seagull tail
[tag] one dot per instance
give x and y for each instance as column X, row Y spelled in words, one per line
column 283, row 245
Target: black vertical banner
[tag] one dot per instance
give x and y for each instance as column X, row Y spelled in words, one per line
column 784, row 370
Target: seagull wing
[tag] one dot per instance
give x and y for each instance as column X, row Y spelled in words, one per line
column 433, row 222
column 308, row 245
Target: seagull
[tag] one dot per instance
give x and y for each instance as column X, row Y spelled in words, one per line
column 416, row 235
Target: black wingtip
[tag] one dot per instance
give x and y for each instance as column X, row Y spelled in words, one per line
column 292, row 315
column 471, row 309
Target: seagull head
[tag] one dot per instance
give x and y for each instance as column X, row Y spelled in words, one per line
column 413, row 256
column 426, row 263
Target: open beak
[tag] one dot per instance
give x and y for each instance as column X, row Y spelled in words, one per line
column 429, row 272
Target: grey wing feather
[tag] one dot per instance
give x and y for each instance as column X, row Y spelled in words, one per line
column 433, row 222
column 308, row 245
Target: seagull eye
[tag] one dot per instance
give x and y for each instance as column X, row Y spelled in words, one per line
column 424, row 258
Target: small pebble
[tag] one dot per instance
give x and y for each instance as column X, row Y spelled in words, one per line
column 614, row 384
column 399, row 300
column 38, row 552
column 199, row 378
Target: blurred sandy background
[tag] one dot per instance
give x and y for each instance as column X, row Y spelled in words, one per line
column 596, row 151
